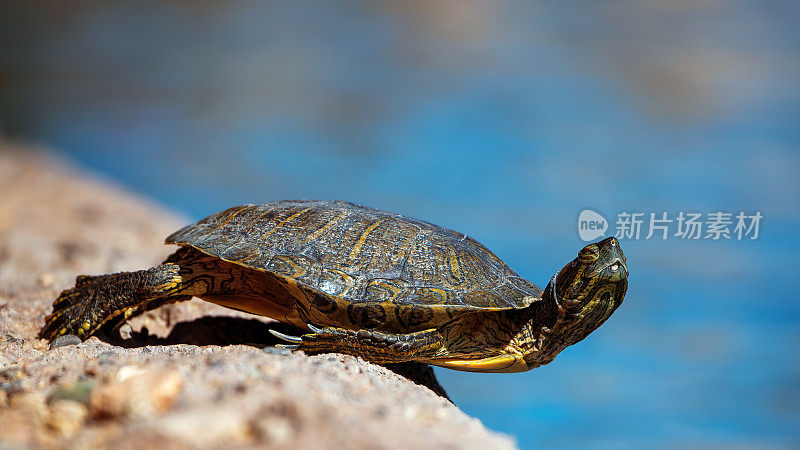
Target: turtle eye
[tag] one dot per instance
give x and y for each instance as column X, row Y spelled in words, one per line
column 589, row 254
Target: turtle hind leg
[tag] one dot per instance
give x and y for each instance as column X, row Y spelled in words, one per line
column 372, row 345
column 96, row 300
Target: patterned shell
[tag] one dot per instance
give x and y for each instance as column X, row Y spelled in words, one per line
column 355, row 254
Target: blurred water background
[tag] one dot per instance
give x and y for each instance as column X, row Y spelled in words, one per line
column 499, row 119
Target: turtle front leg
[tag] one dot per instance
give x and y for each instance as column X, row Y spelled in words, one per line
column 372, row 345
column 96, row 300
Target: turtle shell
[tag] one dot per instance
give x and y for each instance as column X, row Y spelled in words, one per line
column 360, row 267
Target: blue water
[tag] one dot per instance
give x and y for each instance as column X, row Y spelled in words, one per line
column 502, row 120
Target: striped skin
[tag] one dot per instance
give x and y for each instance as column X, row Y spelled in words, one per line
column 356, row 267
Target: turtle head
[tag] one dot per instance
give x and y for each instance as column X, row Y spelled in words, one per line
column 589, row 289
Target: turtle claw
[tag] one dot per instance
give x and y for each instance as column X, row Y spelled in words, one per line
column 286, row 337
column 314, row 329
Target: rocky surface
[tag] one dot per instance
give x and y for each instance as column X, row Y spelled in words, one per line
column 184, row 376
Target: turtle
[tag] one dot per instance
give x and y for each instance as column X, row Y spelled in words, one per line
column 361, row 281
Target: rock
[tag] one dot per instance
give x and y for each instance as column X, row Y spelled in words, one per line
column 277, row 351
column 78, row 392
column 276, row 424
column 65, row 417
column 13, row 340
column 11, row 373
column 107, row 356
column 45, row 279
column 210, row 428
column 13, row 387
column 32, row 402
column 135, row 392
column 18, row 429
column 65, row 340
column 173, row 378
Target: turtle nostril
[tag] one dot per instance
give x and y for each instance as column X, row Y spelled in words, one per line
column 615, row 267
